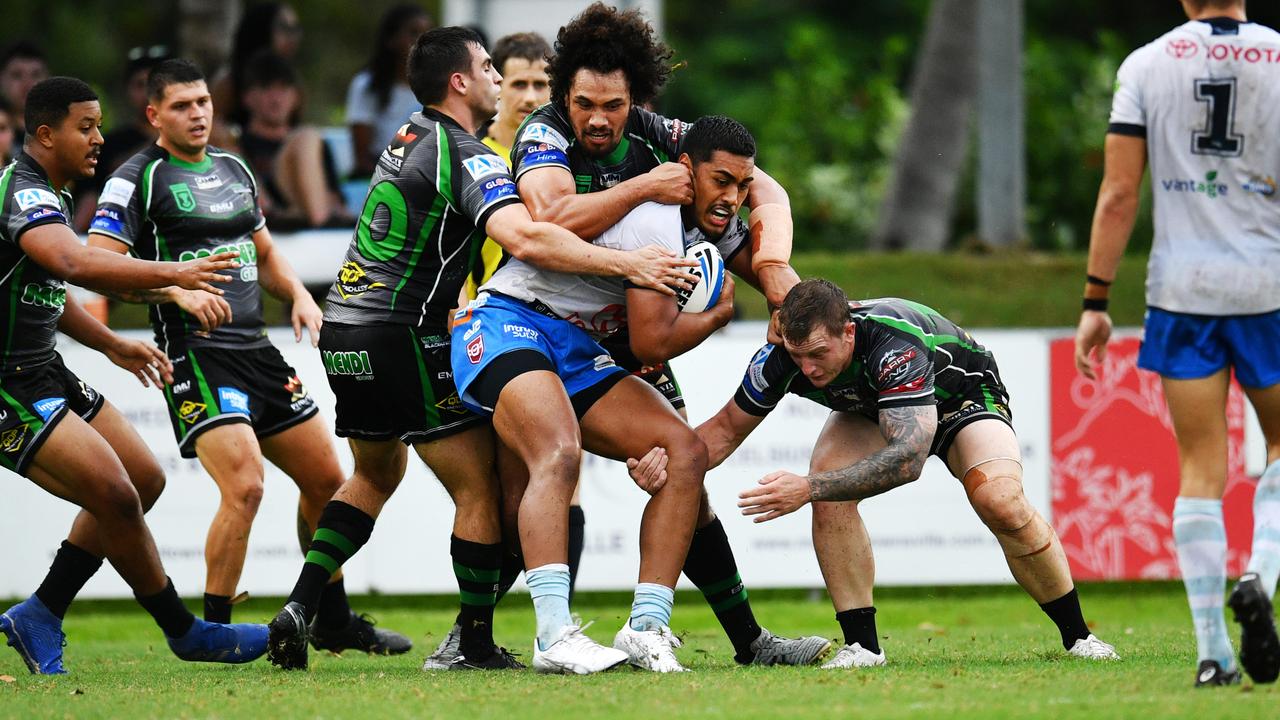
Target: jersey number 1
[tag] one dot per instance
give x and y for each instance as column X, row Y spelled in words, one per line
column 1218, row 138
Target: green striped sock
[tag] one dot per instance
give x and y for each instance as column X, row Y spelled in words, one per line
column 477, row 567
column 341, row 532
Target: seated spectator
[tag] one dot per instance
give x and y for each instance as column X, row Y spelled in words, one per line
column 270, row 26
column 126, row 135
column 379, row 99
column 7, row 150
column 22, row 65
column 295, row 170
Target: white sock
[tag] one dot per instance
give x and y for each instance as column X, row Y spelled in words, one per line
column 1265, row 556
column 1201, row 539
column 549, row 588
column 651, row 608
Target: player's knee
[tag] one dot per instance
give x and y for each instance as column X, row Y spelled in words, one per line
column 115, row 497
column 1002, row 505
column 687, row 453
column 243, row 496
column 559, row 461
column 149, row 482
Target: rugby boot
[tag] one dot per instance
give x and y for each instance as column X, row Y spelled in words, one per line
column 446, row 652
column 216, row 642
column 36, row 634
column 1091, row 648
column 360, row 633
column 499, row 659
column 649, row 649
column 1259, row 647
column 575, row 654
column 1211, row 674
column 770, row 649
column 287, row 646
column 852, row 656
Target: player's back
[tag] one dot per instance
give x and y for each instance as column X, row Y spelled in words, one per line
column 1204, row 96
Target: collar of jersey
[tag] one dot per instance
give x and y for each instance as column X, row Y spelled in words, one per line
column 200, row 167
column 440, row 117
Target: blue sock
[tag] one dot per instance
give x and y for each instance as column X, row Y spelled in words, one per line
column 652, row 607
column 1264, row 559
column 1201, row 540
column 549, row 588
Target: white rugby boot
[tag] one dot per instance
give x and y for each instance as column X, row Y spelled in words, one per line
column 447, row 652
column 1091, row 648
column 854, row 656
column 575, row 654
column 649, row 649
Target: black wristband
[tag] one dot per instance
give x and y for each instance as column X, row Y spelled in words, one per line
column 1098, row 304
column 1095, row 280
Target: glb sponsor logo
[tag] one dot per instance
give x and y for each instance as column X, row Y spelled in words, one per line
column 1238, row 53
column 1209, row 187
column 1182, row 48
column 353, row 281
column 1264, row 186
column 347, row 363
column 496, row 183
column 43, row 213
column 182, row 387
column 231, row 400
column 48, row 406
column 475, row 350
column 189, row 412
column 520, row 331
column 44, row 296
column 208, row 182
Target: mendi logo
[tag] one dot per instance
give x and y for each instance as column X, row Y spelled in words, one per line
column 1209, row 186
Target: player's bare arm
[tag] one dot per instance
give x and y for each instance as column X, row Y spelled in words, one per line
column 209, row 309
column 908, row 433
column 143, row 359
column 277, row 277
column 660, row 332
column 56, row 248
column 771, row 235
column 551, row 196
column 551, row 247
column 1126, row 161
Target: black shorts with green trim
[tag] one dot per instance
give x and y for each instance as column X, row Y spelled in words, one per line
column 32, row 402
column 214, row 386
column 393, row 382
column 986, row 401
column 660, row 376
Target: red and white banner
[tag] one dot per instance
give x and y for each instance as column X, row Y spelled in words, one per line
column 1115, row 469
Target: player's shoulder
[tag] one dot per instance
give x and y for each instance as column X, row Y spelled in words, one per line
column 548, row 125
column 656, row 128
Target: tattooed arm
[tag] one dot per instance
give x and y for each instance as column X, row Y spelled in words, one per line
column 908, row 432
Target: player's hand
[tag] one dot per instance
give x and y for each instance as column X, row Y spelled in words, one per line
column 199, row 274
column 774, row 335
column 212, row 311
column 658, row 268
column 780, row 493
column 144, row 360
column 724, row 305
column 650, row 471
column 1091, row 342
column 306, row 313
column 670, row 184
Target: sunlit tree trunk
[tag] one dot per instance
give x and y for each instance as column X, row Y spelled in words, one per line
column 917, row 209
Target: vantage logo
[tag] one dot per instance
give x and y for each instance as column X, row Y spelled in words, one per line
column 1209, row 186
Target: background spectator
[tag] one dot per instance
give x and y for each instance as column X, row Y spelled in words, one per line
column 270, row 26
column 7, row 149
column 379, row 99
column 22, row 65
column 127, row 133
column 295, row 170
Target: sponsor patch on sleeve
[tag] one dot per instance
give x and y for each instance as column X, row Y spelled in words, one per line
column 33, row 197
column 117, row 191
column 498, row 188
column 108, row 221
column 45, row 213
column 485, row 165
column 543, row 154
column 544, row 134
column 754, row 383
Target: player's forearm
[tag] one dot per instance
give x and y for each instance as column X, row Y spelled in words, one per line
column 551, row 247
column 658, row 344
column 588, row 215
column 155, row 296
column 77, row 324
column 277, row 277
column 108, row 272
column 908, row 433
column 774, row 282
column 720, row 438
column 1113, row 222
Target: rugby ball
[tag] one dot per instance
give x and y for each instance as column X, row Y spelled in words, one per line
column 710, row 274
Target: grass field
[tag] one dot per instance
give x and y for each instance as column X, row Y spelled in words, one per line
column 959, row 652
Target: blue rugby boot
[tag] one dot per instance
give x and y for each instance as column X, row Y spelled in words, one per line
column 36, row 634
column 215, row 642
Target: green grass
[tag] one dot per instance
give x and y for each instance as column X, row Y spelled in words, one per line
column 961, row 652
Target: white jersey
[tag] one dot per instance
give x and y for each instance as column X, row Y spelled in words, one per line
column 594, row 303
column 1206, row 96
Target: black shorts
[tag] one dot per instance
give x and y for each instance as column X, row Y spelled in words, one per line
column 989, row 400
column 660, row 376
column 215, row 386
column 393, row 382
column 32, row 402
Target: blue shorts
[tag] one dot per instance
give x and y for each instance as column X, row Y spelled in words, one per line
column 493, row 325
column 1186, row 347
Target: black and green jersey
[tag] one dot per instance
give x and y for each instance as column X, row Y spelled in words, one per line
column 31, row 299
column 546, row 139
column 904, row 354
column 167, row 209
column 421, row 228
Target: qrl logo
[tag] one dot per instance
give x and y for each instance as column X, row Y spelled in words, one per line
column 475, row 350
column 1181, row 48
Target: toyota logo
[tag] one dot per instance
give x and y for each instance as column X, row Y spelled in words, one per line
column 1181, row 49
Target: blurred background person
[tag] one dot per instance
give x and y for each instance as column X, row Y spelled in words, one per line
column 273, row 26
column 6, row 133
column 22, row 65
column 379, row 98
column 293, row 165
